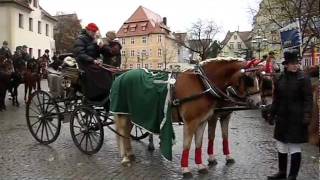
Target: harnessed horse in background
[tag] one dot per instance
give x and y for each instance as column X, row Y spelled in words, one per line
column 5, row 77
column 32, row 78
column 199, row 92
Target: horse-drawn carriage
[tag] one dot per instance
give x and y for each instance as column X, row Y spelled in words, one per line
column 46, row 110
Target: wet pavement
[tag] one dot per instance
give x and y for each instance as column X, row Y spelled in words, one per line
column 252, row 146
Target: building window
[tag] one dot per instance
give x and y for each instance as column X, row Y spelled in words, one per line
column 143, row 28
column 132, row 53
column 123, row 41
column 159, row 52
column 146, row 66
column 231, row 46
column 133, row 27
column 132, row 40
column 35, row 3
column 144, row 39
column 39, row 53
column 159, row 38
column 125, row 30
column 20, row 20
column 39, row 27
column 123, row 53
column 235, row 37
column 47, row 29
column 30, row 52
column 30, row 24
column 159, row 65
column 239, row 45
column 138, row 66
column 131, row 66
column 144, row 52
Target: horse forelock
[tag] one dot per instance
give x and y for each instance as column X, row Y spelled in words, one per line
column 221, row 59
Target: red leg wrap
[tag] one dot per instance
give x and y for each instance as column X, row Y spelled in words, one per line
column 185, row 158
column 210, row 147
column 198, row 155
column 226, row 150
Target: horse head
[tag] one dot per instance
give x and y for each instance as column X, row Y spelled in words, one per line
column 231, row 75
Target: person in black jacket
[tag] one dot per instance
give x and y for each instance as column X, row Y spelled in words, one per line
column 5, row 51
column 97, row 80
column 111, row 50
column 291, row 109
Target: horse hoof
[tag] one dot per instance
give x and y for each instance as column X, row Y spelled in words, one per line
column 230, row 161
column 187, row 175
column 151, row 148
column 203, row 171
column 126, row 162
column 212, row 162
column 132, row 157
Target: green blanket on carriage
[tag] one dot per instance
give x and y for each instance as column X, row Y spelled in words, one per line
column 145, row 97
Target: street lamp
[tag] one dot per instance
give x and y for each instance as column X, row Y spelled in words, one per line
column 141, row 57
column 258, row 42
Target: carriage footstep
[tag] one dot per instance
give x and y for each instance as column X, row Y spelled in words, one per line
column 230, row 161
column 212, row 162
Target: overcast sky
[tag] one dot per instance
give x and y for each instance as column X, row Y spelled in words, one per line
column 110, row 15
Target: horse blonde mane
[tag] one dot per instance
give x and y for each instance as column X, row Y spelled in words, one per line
column 221, row 59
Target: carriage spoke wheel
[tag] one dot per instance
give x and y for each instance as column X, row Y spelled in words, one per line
column 42, row 115
column 138, row 133
column 86, row 130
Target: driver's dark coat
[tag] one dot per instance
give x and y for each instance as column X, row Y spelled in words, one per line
column 97, row 80
column 292, row 99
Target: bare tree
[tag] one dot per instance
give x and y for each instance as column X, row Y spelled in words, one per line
column 283, row 12
column 66, row 31
column 200, row 37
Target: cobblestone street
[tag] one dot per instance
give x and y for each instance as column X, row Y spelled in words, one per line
column 252, row 146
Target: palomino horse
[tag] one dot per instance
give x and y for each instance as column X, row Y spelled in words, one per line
column 199, row 91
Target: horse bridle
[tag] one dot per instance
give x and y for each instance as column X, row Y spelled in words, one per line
column 212, row 89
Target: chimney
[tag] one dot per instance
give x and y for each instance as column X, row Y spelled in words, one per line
column 164, row 20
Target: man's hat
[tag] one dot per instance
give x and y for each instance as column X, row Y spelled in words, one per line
column 291, row 57
column 46, row 51
column 111, row 35
column 92, row 27
column 24, row 46
column 5, row 43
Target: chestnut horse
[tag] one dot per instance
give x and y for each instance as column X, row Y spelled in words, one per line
column 199, row 91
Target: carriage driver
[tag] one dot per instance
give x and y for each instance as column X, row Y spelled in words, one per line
column 97, row 81
column 5, row 51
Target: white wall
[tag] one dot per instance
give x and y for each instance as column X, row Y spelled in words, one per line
column 23, row 36
column 5, row 26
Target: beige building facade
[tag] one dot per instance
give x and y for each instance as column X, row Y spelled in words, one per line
column 147, row 41
column 236, row 44
column 24, row 22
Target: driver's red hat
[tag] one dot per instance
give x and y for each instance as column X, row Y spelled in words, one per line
column 92, row 27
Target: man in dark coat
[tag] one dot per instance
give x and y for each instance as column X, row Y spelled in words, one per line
column 5, row 51
column 291, row 110
column 97, row 81
column 111, row 50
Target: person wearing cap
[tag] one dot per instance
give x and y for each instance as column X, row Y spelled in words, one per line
column 5, row 51
column 97, row 81
column 291, row 110
column 111, row 50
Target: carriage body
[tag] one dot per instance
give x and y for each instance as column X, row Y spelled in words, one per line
column 66, row 102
